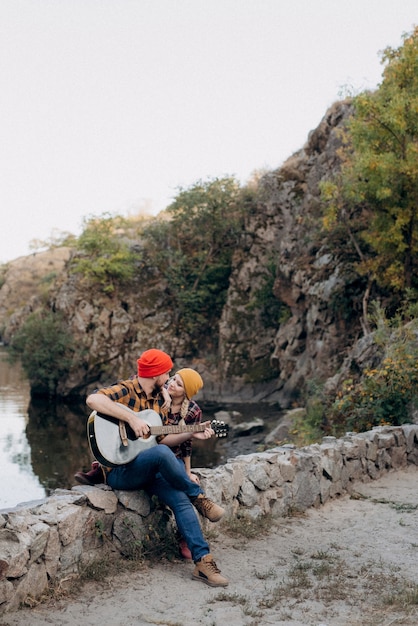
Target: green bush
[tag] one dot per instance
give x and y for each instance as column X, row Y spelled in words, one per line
column 104, row 257
column 385, row 394
column 311, row 424
column 46, row 350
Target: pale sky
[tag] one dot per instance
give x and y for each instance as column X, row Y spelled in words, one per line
column 110, row 105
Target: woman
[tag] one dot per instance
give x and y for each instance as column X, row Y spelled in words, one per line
column 183, row 410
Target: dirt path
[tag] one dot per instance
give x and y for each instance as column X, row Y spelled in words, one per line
column 353, row 562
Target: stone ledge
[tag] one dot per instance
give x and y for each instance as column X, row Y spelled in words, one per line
column 44, row 541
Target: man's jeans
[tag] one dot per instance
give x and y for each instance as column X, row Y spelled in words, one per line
column 160, row 473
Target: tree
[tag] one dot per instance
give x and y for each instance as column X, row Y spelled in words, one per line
column 193, row 249
column 379, row 174
column 46, row 349
column 105, row 258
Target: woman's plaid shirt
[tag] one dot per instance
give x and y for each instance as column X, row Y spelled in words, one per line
column 194, row 416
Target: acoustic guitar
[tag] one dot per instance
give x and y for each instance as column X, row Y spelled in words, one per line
column 113, row 442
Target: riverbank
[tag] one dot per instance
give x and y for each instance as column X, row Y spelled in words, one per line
column 351, row 562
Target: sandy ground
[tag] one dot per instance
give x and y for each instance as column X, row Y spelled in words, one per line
column 353, row 562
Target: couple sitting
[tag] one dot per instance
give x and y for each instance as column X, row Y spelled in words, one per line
column 163, row 470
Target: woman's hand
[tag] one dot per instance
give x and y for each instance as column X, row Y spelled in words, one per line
column 167, row 399
column 205, row 434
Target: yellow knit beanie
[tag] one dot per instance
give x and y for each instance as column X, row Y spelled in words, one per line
column 192, row 381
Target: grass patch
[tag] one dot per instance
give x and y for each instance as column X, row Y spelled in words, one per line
column 248, row 527
column 270, row 573
column 402, row 507
column 237, row 599
column 406, row 596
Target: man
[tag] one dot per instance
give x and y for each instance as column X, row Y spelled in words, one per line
column 156, row 469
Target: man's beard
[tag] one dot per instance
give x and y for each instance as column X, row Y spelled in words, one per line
column 157, row 388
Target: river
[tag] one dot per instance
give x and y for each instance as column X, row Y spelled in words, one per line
column 43, row 445
column 19, row 481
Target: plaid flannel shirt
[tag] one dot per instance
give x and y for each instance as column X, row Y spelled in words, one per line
column 194, row 416
column 130, row 393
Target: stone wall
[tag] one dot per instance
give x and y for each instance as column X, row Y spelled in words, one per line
column 44, row 542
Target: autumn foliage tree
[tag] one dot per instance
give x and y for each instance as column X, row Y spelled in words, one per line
column 379, row 175
column 374, row 199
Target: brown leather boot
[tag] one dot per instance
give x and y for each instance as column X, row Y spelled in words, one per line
column 207, row 571
column 95, row 476
column 208, row 509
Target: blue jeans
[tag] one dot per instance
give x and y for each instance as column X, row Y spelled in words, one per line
column 161, row 473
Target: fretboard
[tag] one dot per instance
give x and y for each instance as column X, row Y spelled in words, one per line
column 175, row 429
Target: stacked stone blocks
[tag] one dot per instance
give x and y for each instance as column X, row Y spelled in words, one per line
column 44, row 542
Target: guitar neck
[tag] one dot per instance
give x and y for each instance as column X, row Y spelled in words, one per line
column 176, row 429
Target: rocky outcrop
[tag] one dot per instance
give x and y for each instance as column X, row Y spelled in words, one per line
column 42, row 543
column 26, row 284
column 289, row 315
column 311, row 337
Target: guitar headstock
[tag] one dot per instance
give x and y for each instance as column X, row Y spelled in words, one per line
column 221, row 429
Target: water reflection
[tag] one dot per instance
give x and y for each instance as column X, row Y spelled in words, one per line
column 57, row 437
column 19, row 482
column 42, row 445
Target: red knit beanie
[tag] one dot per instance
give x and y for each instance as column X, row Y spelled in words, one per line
column 154, row 363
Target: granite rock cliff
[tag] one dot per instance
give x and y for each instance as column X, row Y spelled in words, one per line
column 282, row 324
